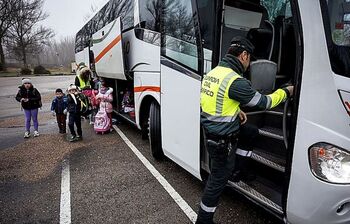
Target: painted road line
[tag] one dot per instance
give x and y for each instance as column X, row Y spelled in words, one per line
column 171, row 191
column 65, row 209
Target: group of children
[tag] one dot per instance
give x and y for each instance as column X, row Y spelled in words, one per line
column 73, row 104
column 77, row 103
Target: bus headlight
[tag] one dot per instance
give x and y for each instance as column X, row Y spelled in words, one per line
column 330, row 163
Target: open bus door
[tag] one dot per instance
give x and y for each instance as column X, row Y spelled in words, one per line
column 107, row 47
column 180, row 91
column 320, row 177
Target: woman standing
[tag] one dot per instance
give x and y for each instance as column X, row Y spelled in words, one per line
column 30, row 99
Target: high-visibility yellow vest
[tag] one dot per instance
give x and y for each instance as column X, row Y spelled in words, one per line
column 82, row 83
column 216, row 104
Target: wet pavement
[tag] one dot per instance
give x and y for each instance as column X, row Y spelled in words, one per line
column 108, row 183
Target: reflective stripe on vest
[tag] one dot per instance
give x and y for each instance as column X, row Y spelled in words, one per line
column 215, row 102
column 82, row 83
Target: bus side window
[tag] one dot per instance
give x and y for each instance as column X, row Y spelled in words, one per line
column 123, row 9
column 179, row 39
column 150, row 14
column 149, row 27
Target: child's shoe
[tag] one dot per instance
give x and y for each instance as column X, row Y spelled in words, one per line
column 73, row 138
column 79, row 137
column 26, row 134
column 36, row 134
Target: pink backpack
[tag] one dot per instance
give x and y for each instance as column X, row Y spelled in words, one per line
column 102, row 122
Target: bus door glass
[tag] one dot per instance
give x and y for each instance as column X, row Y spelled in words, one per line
column 208, row 18
column 180, row 85
column 239, row 18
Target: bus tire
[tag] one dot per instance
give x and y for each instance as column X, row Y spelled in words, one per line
column 155, row 137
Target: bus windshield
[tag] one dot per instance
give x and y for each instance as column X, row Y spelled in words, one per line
column 336, row 15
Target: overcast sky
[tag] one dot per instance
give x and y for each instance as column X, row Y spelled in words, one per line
column 66, row 17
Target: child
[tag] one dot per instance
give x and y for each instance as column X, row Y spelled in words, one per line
column 105, row 98
column 59, row 108
column 30, row 99
column 74, row 109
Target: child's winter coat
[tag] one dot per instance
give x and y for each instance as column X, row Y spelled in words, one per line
column 106, row 100
column 59, row 104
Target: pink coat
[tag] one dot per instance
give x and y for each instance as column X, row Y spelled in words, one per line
column 106, row 100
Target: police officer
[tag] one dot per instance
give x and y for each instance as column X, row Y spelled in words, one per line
column 223, row 91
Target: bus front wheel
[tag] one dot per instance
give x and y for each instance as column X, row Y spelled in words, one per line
column 155, row 137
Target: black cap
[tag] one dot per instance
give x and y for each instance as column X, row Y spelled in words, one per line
column 244, row 43
column 59, row 91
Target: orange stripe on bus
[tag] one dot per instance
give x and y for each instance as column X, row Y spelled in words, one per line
column 108, row 48
column 146, row 88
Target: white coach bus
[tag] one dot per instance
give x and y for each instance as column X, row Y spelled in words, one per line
column 155, row 53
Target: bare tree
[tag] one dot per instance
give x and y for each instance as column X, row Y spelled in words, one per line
column 7, row 13
column 25, row 36
column 58, row 52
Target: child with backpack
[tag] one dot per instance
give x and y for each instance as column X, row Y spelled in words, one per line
column 30, row 100
column 105, row 99
column 59, row 109
column 74, row 108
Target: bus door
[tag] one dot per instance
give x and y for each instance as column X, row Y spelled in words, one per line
column 107, row 49
column 180, row 86
column 320, row 175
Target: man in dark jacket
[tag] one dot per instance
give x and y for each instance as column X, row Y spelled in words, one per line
column 74, row 109
column 30, row 100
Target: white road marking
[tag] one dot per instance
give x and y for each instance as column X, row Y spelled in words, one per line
column 171, row 191
column 65, row 209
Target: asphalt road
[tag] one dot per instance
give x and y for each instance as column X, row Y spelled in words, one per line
column 108, row 183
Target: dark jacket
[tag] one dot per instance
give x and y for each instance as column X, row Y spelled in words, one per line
column 72, row 107
column 33, row 96
column 59, row 104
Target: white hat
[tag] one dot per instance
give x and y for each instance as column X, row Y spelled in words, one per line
column 26, row 80
column 71, row 87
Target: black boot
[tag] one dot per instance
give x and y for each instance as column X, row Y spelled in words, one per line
column 205, row 217
column 241, row 171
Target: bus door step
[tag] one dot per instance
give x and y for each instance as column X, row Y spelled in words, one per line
column 268, row 160
column 271, row 133
column 251, row 193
